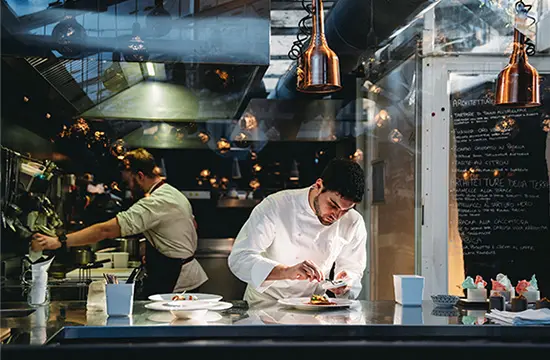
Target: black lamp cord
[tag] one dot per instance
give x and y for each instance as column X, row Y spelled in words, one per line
column 523, row 9
column 304, row 33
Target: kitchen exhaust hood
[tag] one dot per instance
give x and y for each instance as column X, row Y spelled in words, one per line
column 210, row 57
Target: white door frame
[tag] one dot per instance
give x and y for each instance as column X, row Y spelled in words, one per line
column 436, row 128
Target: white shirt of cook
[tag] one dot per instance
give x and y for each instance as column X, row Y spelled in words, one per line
column 165, row 218
column 283, row 229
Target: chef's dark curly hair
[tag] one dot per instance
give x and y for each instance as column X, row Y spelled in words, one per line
column 139, row 160
column 346, row 178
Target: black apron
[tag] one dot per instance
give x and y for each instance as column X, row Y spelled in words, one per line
column 162, row 271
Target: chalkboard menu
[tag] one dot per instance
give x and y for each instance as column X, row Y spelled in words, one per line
column 500, row 177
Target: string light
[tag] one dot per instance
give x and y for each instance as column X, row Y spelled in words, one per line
column 203, row 137
column 396, row 136
column 223, row 145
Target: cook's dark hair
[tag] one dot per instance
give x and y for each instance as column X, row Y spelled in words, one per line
column 139, row 160
column 346, row 178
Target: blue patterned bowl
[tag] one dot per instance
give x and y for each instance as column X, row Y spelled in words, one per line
column 445, row 300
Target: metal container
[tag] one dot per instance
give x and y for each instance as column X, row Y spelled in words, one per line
column 130, row 246
column 84, row 256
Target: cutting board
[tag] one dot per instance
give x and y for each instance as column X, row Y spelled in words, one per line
column 97, row 274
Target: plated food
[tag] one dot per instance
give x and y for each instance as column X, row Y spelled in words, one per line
column 318, row 303
column 320, row 300
column 184, row 297
column 188, row 296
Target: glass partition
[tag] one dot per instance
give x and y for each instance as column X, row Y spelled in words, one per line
column 392, row 156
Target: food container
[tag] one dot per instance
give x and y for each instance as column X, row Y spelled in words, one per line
column 476, row 294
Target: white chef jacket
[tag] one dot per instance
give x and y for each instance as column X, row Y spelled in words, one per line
column 283, row 229
column 165, row 218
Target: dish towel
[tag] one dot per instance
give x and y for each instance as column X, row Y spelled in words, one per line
column 523, row 318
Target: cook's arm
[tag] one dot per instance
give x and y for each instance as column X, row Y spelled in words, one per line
column 353, row 259
column 246, row 260
column 143, row 215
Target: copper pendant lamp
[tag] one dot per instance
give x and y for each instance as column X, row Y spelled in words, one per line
column 518, row 84
column 318, row 67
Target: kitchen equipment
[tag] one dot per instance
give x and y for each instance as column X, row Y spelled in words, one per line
column 334, row 284
column 130, row 246
column 97, row 274
column 103, row 256
column 120, row 260
column 136, row 274
column 120, row 299
column 85, row 274
column 83, row 256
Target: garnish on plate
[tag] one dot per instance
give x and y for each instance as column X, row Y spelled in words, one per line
column 184, row 297
column 320, row 300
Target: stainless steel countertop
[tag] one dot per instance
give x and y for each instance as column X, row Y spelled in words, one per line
column 62, row 321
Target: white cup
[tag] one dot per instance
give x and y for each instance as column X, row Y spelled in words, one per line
column 120, row 260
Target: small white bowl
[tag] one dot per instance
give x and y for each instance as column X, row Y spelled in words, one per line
column 189, row 314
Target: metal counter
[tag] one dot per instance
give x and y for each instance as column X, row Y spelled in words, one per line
column 69, row 323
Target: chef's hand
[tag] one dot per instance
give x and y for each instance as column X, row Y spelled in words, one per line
column 304, row 270
column 342, row 289
column 43, row 242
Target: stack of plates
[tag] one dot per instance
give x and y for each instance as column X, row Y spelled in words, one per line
column 188, row 309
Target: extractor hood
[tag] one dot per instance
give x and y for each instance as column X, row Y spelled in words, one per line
column 188, row 92
column 213, row 57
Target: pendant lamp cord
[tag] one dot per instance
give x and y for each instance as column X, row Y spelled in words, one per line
column 372, row 41
column 523, row 10
column 304, row 33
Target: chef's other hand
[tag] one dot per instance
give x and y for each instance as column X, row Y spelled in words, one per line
column 342, row 289
column 306, row 270
column 44, row 242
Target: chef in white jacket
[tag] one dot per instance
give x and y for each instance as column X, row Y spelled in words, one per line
column 293, row 237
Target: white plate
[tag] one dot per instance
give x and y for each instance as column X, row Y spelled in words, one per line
column 167, row 318
column 303, row 304
column 213, row 306
column 168, row 297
